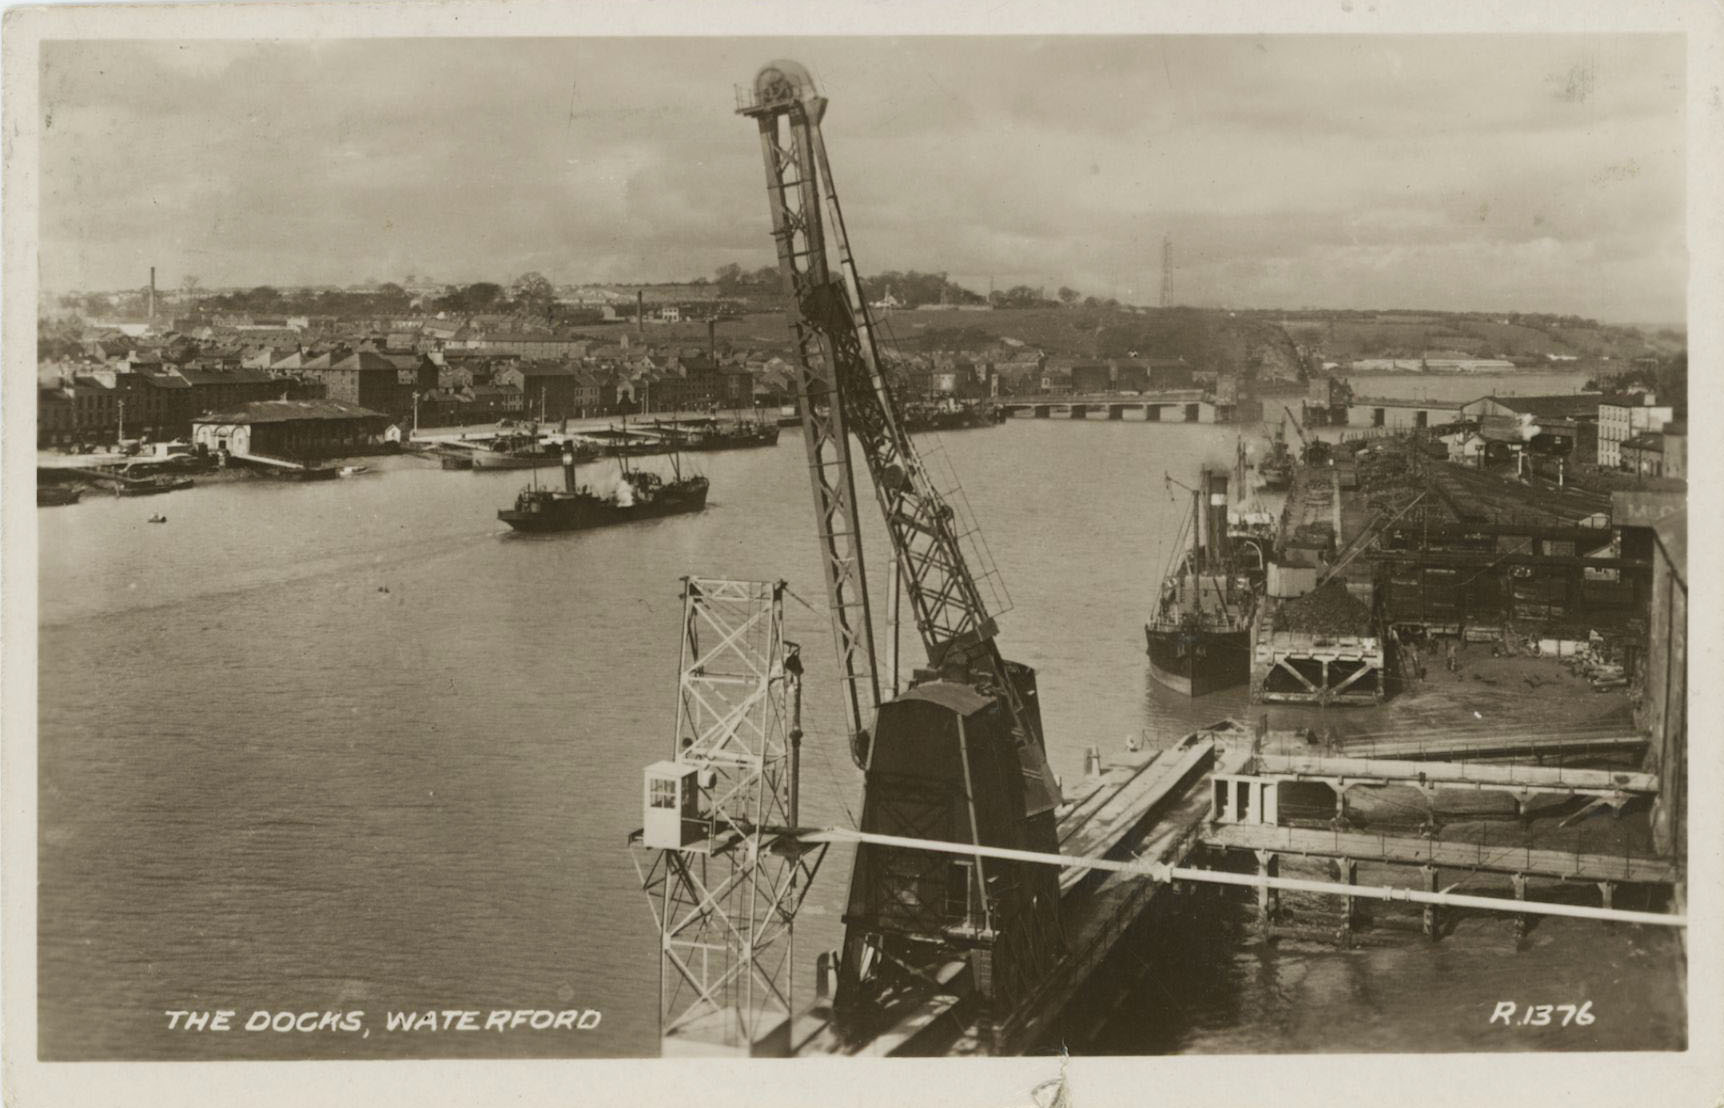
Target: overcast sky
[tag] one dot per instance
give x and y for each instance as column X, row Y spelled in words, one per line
column 1489, row 172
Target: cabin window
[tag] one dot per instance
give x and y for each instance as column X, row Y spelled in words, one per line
column 663, row 793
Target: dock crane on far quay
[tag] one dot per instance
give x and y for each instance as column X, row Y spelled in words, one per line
column 959, row 755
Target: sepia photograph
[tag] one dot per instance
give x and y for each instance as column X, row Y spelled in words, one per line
column 1160, row 548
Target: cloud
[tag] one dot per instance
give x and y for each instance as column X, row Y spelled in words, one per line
column 1345, row 171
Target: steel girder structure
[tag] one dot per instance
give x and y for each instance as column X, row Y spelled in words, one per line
column 844, row 390
column 726, row 905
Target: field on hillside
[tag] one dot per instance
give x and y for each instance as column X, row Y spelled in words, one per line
column 1059, row 331
column 762, row 331
column 1484, row 336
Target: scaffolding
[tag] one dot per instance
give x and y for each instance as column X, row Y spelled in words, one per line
column 717, row 855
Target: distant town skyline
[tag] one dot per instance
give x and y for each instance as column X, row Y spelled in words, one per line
column 1492, row 173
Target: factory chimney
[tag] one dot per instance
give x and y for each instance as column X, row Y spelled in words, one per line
column 640, row 312
column 152, row 294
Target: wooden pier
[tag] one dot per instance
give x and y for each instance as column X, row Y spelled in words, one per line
column 1141, row 807
column 1168, row 406
column 1141, row 823
column 1412, row 850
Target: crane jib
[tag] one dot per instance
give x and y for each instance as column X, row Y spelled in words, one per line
column 962, row 748
column 952, row 620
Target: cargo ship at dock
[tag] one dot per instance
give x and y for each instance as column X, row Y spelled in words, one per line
column 1199, row 639
column 639, row 495
column 1275, row 472
column 950, row 416
column 524, row 450
column 712, row 434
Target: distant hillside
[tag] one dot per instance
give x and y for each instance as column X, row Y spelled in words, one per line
column 1339, row 336
column 1263, row 345
column 1212, row 341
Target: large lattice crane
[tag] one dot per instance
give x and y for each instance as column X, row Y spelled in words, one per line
column 938, row 762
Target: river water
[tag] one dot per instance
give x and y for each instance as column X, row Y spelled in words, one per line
column 352, row 745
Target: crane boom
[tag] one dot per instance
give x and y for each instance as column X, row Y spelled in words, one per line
column 844, row 390
column 960, row 754
column 796, row 229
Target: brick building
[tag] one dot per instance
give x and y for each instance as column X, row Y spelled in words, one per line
column 365, row 378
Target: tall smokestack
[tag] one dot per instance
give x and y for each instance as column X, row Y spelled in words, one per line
column 152, row 294
column 712, row 340
column 640, row 312
column 1216, row 496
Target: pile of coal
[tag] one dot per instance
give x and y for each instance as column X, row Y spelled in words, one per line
column 1327, row 610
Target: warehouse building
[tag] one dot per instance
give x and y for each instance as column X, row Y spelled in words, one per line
column 294, row 430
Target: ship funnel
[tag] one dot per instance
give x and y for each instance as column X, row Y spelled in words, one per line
column 1216, row 509
column 568, row 468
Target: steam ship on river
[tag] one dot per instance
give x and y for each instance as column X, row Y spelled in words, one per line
column 640, row 494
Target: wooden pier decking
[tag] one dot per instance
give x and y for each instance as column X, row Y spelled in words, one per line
column 1143, row 806
column 1411, row 850
column 1144, row 814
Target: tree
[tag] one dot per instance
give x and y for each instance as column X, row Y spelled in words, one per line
column 1068, row 296
column 534, row 295
column 473, row 298
column 532, row 291
column 729, row 274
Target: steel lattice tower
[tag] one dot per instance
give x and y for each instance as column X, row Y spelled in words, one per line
column 718, row 856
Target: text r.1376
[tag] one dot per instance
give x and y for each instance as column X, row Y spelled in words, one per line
column 1543, row 1015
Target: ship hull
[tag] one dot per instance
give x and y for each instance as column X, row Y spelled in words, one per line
column 588, row 513
column 1197, row 663
column 739, row 441
column 489, row 460
column 154, row 488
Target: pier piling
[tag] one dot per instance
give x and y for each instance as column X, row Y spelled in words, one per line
column 1268, row 898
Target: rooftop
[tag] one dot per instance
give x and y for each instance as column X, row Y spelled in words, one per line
column 1555, row 407
column 288, row 411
